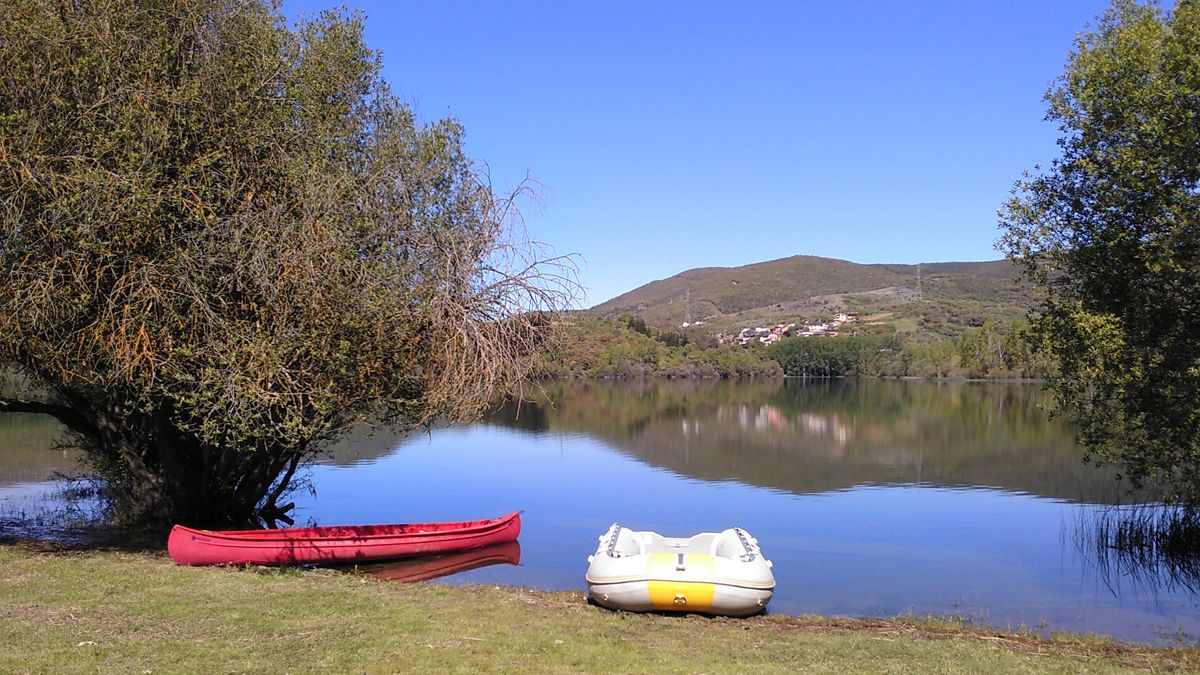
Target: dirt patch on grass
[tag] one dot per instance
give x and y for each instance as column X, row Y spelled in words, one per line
column 1134, row 656
column 39, row 614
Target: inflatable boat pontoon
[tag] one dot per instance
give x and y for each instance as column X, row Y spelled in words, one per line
column 711, row 572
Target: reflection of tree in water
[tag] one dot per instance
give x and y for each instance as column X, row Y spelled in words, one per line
column 70, row 511
column 807, row 437
column 1150, row 546
column 33, row 449
column 362, row 445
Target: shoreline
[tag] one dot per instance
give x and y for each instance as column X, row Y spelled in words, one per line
column 70, row 609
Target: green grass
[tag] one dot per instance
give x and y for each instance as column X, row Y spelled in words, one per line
column 112, row 611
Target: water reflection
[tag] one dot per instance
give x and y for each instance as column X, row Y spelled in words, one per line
column 32, row 449
column 818, row 437
column 1151, row 548
column 39, row 495
column 437, row 566
column 363, row 445
column 794, row 436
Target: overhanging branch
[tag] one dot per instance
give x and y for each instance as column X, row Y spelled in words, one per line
column 68, row 416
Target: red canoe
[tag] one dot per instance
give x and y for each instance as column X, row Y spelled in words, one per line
column 336, row 545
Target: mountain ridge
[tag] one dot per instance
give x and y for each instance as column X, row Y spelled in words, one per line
column 812, row 286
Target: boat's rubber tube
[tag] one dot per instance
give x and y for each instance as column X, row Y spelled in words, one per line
column 713, row 572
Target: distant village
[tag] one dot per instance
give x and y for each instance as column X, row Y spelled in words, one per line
column 775, row 333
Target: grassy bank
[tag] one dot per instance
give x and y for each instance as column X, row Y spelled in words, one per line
column 111, row 611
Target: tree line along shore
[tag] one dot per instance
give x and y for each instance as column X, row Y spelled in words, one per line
column 625, row 347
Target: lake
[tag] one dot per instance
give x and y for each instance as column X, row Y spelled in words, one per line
column 872, row 498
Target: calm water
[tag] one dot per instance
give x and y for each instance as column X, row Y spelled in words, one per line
column 872, row 498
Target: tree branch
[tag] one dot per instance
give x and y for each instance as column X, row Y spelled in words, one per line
column 68, row 416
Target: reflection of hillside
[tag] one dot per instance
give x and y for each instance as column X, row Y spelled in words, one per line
column 30, row 447
column 807, row 438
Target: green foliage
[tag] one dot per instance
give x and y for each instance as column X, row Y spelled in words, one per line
column 997, row 351
column 937, row 359
column 638, row 325
column 866, row 356
column 223, row 241
column 606, row 348
column 672, row 338
column 942, row 319
column 1111, row 232
column 982, row 349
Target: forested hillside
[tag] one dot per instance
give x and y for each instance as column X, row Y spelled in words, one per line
column 921, row 302
column 598, row 347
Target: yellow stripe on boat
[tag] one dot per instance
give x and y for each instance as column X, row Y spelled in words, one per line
column 668, row 591
column 681, row 595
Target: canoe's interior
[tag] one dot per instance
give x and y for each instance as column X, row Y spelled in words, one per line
column 355, row 532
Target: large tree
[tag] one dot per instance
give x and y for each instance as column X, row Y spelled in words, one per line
column 1111, row 231
column 224, row 241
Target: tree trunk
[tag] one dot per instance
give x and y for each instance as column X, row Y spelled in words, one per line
column 160, row 475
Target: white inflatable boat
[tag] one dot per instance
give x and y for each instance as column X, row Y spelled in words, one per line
column 711, row 572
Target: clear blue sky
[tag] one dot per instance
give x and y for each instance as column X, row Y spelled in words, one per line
column 673, row 135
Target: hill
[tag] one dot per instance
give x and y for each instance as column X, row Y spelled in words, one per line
column 928, row 301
